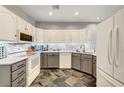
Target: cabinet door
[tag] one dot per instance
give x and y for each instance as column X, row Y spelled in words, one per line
column 59, row 36
column 39, row 35
column 7, row 25
column 82, row 36
column 67, row 36
column 34, row 34
column 94, row 68
column 53, row 60
column 86, row 65
column 47, row 36
column 76, row 61
column 75, row 36
column 43, row 61
column 119, row 46
column 103, row 44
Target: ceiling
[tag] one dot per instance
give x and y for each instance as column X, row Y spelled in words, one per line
column 66, row 13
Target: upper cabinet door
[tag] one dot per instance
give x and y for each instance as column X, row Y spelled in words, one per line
column 67, row 36
column 7, row 25
column 75, row 36
column 82, row 36
column 39, row 35
column 104, row 39
column 34, row 34
column 119, row 45
column 60, row 36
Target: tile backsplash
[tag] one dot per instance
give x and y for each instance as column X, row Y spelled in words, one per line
column 52, row 46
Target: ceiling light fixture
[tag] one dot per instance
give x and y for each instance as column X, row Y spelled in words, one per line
column 76, row 13
column 50, row 13
column 98, row 18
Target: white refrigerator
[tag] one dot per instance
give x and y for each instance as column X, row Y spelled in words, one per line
column 110, row 51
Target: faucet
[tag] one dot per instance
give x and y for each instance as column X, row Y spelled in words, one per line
column 83, row 46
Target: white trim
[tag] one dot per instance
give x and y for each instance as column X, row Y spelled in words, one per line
column 110, row 79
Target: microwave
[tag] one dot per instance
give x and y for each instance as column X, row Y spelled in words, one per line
column 25, row 37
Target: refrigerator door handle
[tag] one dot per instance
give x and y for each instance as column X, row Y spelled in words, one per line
column 110, row 57
column 116, row 49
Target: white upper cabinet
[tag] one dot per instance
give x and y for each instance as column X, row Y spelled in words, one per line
column 7, row 25
column 34, row 33
column 64, row 36
column 91, row 34
column 59, row 36
column 83, row 36
column 24, row 26
column 48, row 36
column 75, row 36
column 67, row 36
column 39, row 33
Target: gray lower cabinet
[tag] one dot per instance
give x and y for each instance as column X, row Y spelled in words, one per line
column 53, row 60
column 43, row 60
column 86, row 63
column 50, row 60
column 94, row 66
column 13, row 75
column 76, row 61
column 86, row 66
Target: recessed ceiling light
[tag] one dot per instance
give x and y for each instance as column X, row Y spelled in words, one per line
column 76, row 13
column 50, row 13
column 98, row 18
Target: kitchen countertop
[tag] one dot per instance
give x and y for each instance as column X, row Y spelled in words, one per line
column 68, row 52
column 11, row 60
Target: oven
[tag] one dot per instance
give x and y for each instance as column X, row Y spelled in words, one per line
column 33, row 67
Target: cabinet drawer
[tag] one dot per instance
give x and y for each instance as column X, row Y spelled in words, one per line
column 19, row 81
column 18, row 65
column 76, row 54
column 23, row 84
column 18, row 72
column 87, row 56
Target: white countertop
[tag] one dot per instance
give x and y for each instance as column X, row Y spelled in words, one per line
column 11, row 60
column 68, row 52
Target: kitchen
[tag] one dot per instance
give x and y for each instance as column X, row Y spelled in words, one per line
column 40, row 47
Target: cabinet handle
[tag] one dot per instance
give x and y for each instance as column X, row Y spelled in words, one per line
column 110, row 58
column 116, row 52
column 20, row 81
column 20, row 65
column 20, row 73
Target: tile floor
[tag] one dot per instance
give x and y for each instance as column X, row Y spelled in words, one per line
column 63, row 78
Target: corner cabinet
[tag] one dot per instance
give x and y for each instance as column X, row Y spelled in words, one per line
column 7, row 25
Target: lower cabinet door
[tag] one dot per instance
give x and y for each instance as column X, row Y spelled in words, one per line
column 76, row 62
column 86, row 66
column 43, row 61
column 94, row 69
column 53, row 60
